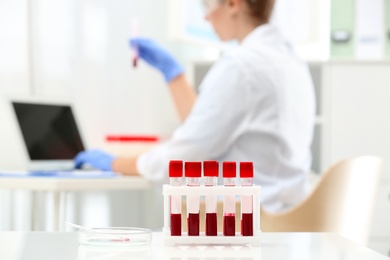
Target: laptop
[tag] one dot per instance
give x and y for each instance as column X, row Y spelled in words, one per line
column 50, row 134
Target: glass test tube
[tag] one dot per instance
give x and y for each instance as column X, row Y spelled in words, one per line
column 210, row 173
column 134, row 49
column 175, row 179
column 229, row 203
column 246, row 175
column 193, row 171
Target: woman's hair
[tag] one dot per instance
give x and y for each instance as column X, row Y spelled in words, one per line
column 261, row 10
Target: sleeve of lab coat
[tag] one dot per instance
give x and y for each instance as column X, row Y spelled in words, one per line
column 219, row 116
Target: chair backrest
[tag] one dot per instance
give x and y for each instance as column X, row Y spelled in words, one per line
column 342, row 202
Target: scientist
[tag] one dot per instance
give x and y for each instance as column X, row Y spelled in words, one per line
column 255, row 104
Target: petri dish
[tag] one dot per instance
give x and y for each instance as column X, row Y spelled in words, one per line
column 116, row 237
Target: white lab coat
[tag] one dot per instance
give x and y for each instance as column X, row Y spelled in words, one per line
column 255, row 104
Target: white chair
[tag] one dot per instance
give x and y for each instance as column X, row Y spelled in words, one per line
column 342, row 202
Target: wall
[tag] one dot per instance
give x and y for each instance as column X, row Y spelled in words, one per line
column 93, row 67
column 78, row 51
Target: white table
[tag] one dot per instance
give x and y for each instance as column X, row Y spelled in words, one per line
column 60, row 186
column 275, row 246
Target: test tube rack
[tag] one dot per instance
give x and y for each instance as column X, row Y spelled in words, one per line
column 220, row 239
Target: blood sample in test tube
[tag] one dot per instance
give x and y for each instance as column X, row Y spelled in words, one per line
column 246, row 175
column 193, row 171
column 134, row 50
column 229, row 203
column 210, row 173
column 175, row 179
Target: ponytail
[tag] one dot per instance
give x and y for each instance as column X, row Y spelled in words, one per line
column 261, row 10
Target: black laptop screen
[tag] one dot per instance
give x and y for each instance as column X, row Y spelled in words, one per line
column 49, row 131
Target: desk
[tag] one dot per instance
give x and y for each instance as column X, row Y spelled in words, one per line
column 275, row 246
column 60, row 186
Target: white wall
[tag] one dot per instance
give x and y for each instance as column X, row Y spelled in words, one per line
column 78, row 51
column 14, row 75
column 83, row 54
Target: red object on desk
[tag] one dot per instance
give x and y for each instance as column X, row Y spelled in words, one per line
column 132, row 138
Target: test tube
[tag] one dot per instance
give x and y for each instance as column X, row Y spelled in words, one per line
column 175, row 179
column 210, row 173
column 229, row 203
column 134, row 34
column 193, row 171
column 246, row 175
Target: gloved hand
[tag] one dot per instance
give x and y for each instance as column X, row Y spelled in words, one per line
column 157, row 57
column 95, row 158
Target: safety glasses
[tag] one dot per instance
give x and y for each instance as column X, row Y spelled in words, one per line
column 211, row 5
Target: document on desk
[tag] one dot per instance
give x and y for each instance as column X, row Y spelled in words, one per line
column 59, row 174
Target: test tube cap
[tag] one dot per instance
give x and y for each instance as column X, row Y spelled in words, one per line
column 246, row 169
column 210, row 168
column 176, row 168
column 229, row 169
column 193, row 169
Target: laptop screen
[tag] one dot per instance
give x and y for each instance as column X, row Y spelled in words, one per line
column 49, row 131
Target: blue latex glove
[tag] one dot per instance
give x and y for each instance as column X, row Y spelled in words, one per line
column 157, row 57
column 95, row 158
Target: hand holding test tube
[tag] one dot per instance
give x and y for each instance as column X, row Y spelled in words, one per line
column 156, row 56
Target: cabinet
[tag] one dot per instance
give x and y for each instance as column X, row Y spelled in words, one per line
column 358, row 95
column 380, row 230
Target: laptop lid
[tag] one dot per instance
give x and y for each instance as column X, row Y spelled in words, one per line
column 50, row 134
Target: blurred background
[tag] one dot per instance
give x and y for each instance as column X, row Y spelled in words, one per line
column 77, row 51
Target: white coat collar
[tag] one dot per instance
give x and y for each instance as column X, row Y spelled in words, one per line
column 266, row 33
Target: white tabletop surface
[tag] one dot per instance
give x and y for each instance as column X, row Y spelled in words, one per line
column 71, row 184
column 275, row 246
